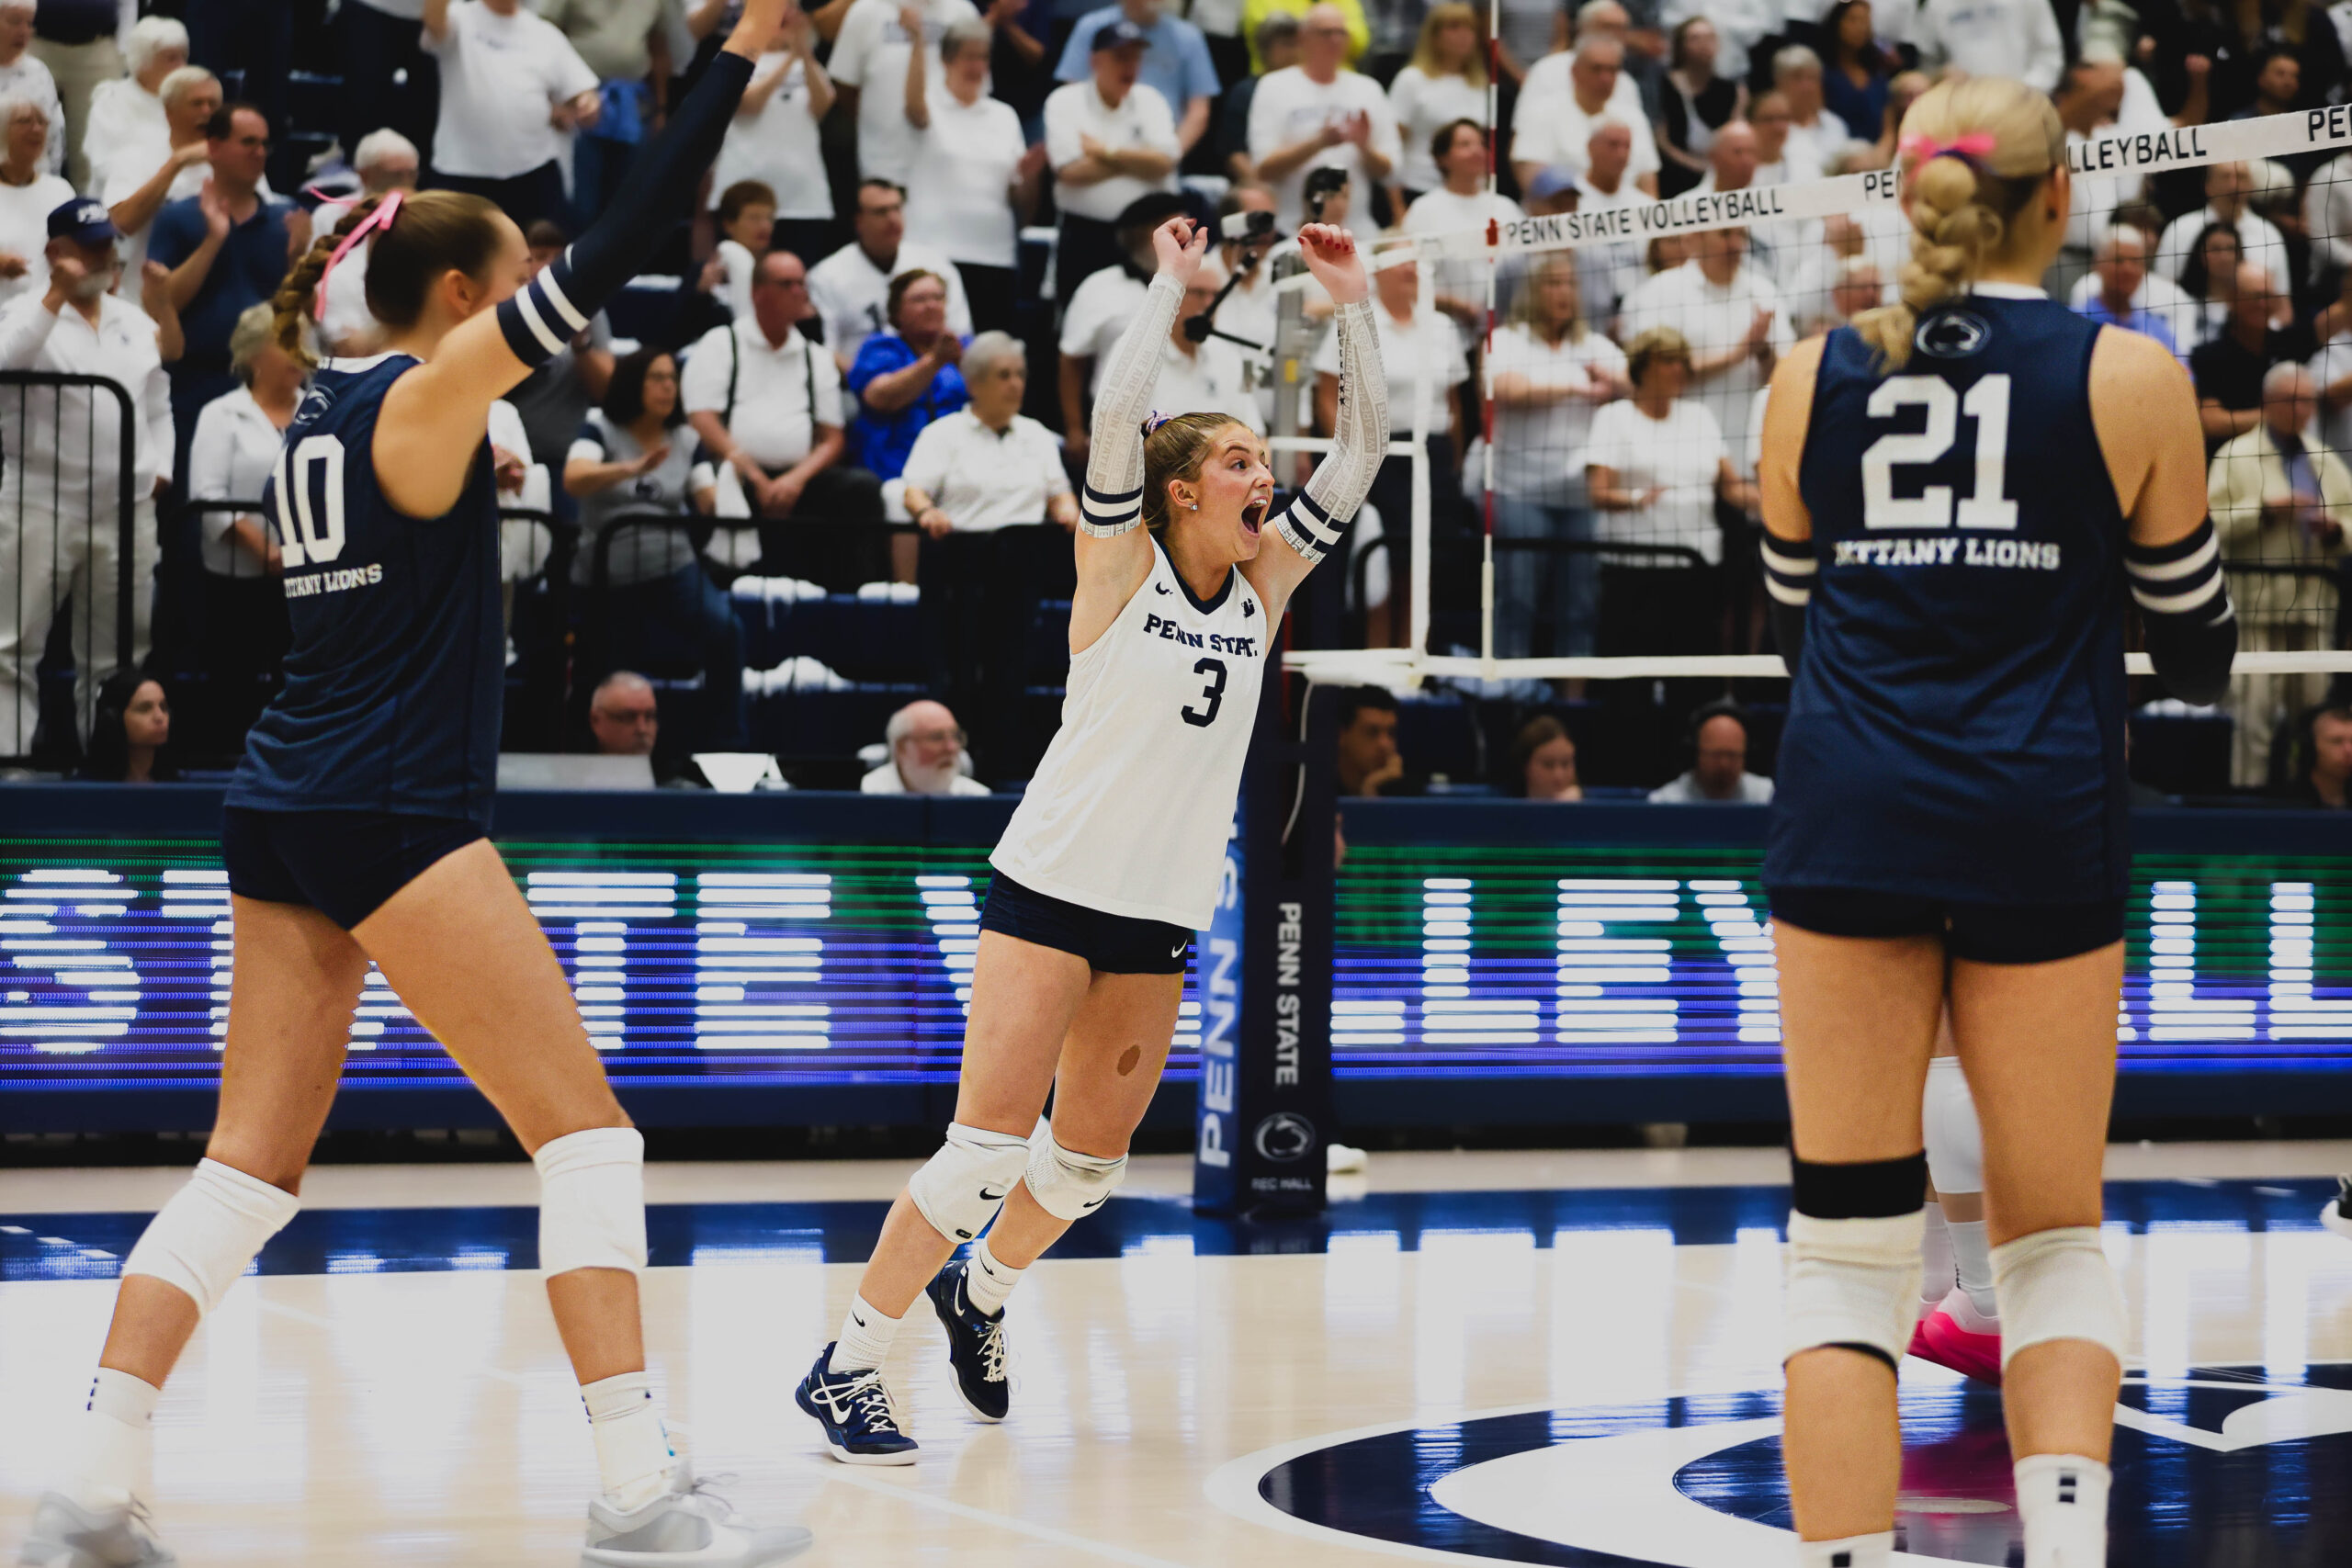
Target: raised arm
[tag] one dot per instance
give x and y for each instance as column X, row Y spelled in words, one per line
column 434, row 417
column 1313, row 522
column 1113, row 552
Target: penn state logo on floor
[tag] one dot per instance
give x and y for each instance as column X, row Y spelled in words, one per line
column 2220, row 1467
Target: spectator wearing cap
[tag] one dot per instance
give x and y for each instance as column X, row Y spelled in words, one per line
column 1175, row 62
column 1111, row 140
column 28, row 194
column 1276, row 41
column 1320, row 114
column 772, row 146
column 869, row 65
column 976, row 171
column 384, row 161
column 1098, row 311
column 511, row 87
column 236, row 445
column 905, row 375
column 58, row 498
column 850, row 289
column 228, row 248
column 1718, row 774
column 926, row 755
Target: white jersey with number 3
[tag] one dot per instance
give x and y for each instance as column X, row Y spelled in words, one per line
column 1130, row 810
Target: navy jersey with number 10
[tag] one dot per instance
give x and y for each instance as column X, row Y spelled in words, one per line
column 1956, row 726
column 397, row 673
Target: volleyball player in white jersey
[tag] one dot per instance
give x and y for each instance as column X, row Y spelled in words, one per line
column 1115, row 857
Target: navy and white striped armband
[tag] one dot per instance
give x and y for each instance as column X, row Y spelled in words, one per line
column 2182, row 579
column 541, row 319
column 1790, row 568
column 1309, row 529
column 1101, row 515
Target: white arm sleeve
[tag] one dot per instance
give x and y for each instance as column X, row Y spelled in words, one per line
column 1311, row 523
column 1114, row 499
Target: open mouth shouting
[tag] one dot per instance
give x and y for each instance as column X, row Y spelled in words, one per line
column 1253, row 516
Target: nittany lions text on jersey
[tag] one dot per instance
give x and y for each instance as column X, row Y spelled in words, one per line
column 397, row 671
column 1132, row 805
column 1956, row 725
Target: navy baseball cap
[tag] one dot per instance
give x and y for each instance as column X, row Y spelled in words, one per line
column 83, row 221
column 1118, row 33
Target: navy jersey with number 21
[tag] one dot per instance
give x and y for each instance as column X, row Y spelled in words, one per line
column 397, row 671
column 1956, row 725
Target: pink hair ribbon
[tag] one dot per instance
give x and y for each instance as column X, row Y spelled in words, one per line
column 1973, row 148
column 379, row 219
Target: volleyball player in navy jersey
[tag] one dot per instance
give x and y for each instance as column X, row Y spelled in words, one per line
column 356, row 829
column 1959, row 490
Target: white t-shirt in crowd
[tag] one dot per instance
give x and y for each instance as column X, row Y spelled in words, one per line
column 23, row 230
column 125, row 120
column 1712, row 318
column 1551, row 79
column 1422, row 104
column 1141, row 119
column 959, row 199
column 2017, row 38
column 1405, row 347
column 983, row 478
column 500, row 77
column 777, row 146
column 772, row 391
column 1211, row 379
column 1440, row 211
column 29, row 78
column 1100, row 308
column 1290, row 106
column 870, row 54
column 2329, row 366
column 853, row 296
column 1540, row 448
column 739, row 264
column 1681, row 454
column 1554, row 132
column 228, row 458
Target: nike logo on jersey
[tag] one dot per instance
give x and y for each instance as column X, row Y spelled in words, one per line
column 989, row 1196
column 1177, row 951
column 1096, row 1205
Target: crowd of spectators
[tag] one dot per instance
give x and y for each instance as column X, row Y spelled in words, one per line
column 856, row 340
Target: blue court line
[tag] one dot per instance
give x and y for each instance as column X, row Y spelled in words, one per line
column 369, row 1241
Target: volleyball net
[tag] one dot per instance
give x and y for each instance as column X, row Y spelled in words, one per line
column 1557, row 529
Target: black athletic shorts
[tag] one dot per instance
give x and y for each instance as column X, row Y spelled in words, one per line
column 1113, row 944
column 1983, row 933
column 344, row 865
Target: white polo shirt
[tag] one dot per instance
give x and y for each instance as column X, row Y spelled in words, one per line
column 870, row 54
column 776, row 145
column 1290, row 106
column 229, row 459
column 499, row 75
column 853, row 296
column 1100, row 308
column 1141, row 119
column 960, row 198
column 775, row 389
column 986, row 480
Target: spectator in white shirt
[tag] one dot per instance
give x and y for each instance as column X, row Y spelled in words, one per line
column 851, row 289
column 1099, row 311
column 767, row 404
column 2229, row 200
column 869, row 64
column 773, row 143
column 974, row 175
column 23, row 76
column 2327, row 219
column 926, row 755
column 384, row 161
column 59, row 525
column 236, row 445
column 746, row 233
column 1991, row 38
column 29, row 193
column 148, row 164
column 1554, row 130
column 1552, row 78
column 1320, row 114
column 1208, row 375
column 977, row 483
column 1458, row 151
column 1610, row 269
column 1816, row 137
column 1773, row 121
column 1111, row 140
column 82, row 46
column 512, row 88
column 1729, row 317
column 1444, row 83
column 129, row 109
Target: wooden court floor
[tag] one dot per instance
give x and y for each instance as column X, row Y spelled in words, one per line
column 1551, row 1358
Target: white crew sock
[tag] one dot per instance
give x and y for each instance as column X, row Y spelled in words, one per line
column 115, row 1442
column 1936, row 1271
column 865, row 1337
column 989, row 1281
column 633, row 1452
column 2062, row 1498
column 1854, row 1551
column 1972, row 1255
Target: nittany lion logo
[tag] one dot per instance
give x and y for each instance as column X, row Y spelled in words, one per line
column 2219, row 1465
column 1951, row 334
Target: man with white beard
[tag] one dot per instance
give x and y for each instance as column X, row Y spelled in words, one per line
column 926, row 755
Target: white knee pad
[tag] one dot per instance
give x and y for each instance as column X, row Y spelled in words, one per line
column 203, row 1239
column 1955, row 1142
column 1067, row 1184
column 1853, row 1282
column 2055, row 1284
column 960, row 1189
column 592, row 1200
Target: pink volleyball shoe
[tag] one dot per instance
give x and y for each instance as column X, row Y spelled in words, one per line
column 1957, row 1335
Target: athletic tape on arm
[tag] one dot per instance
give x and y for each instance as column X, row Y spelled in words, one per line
column 1114, row 500
column 1313, row 522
